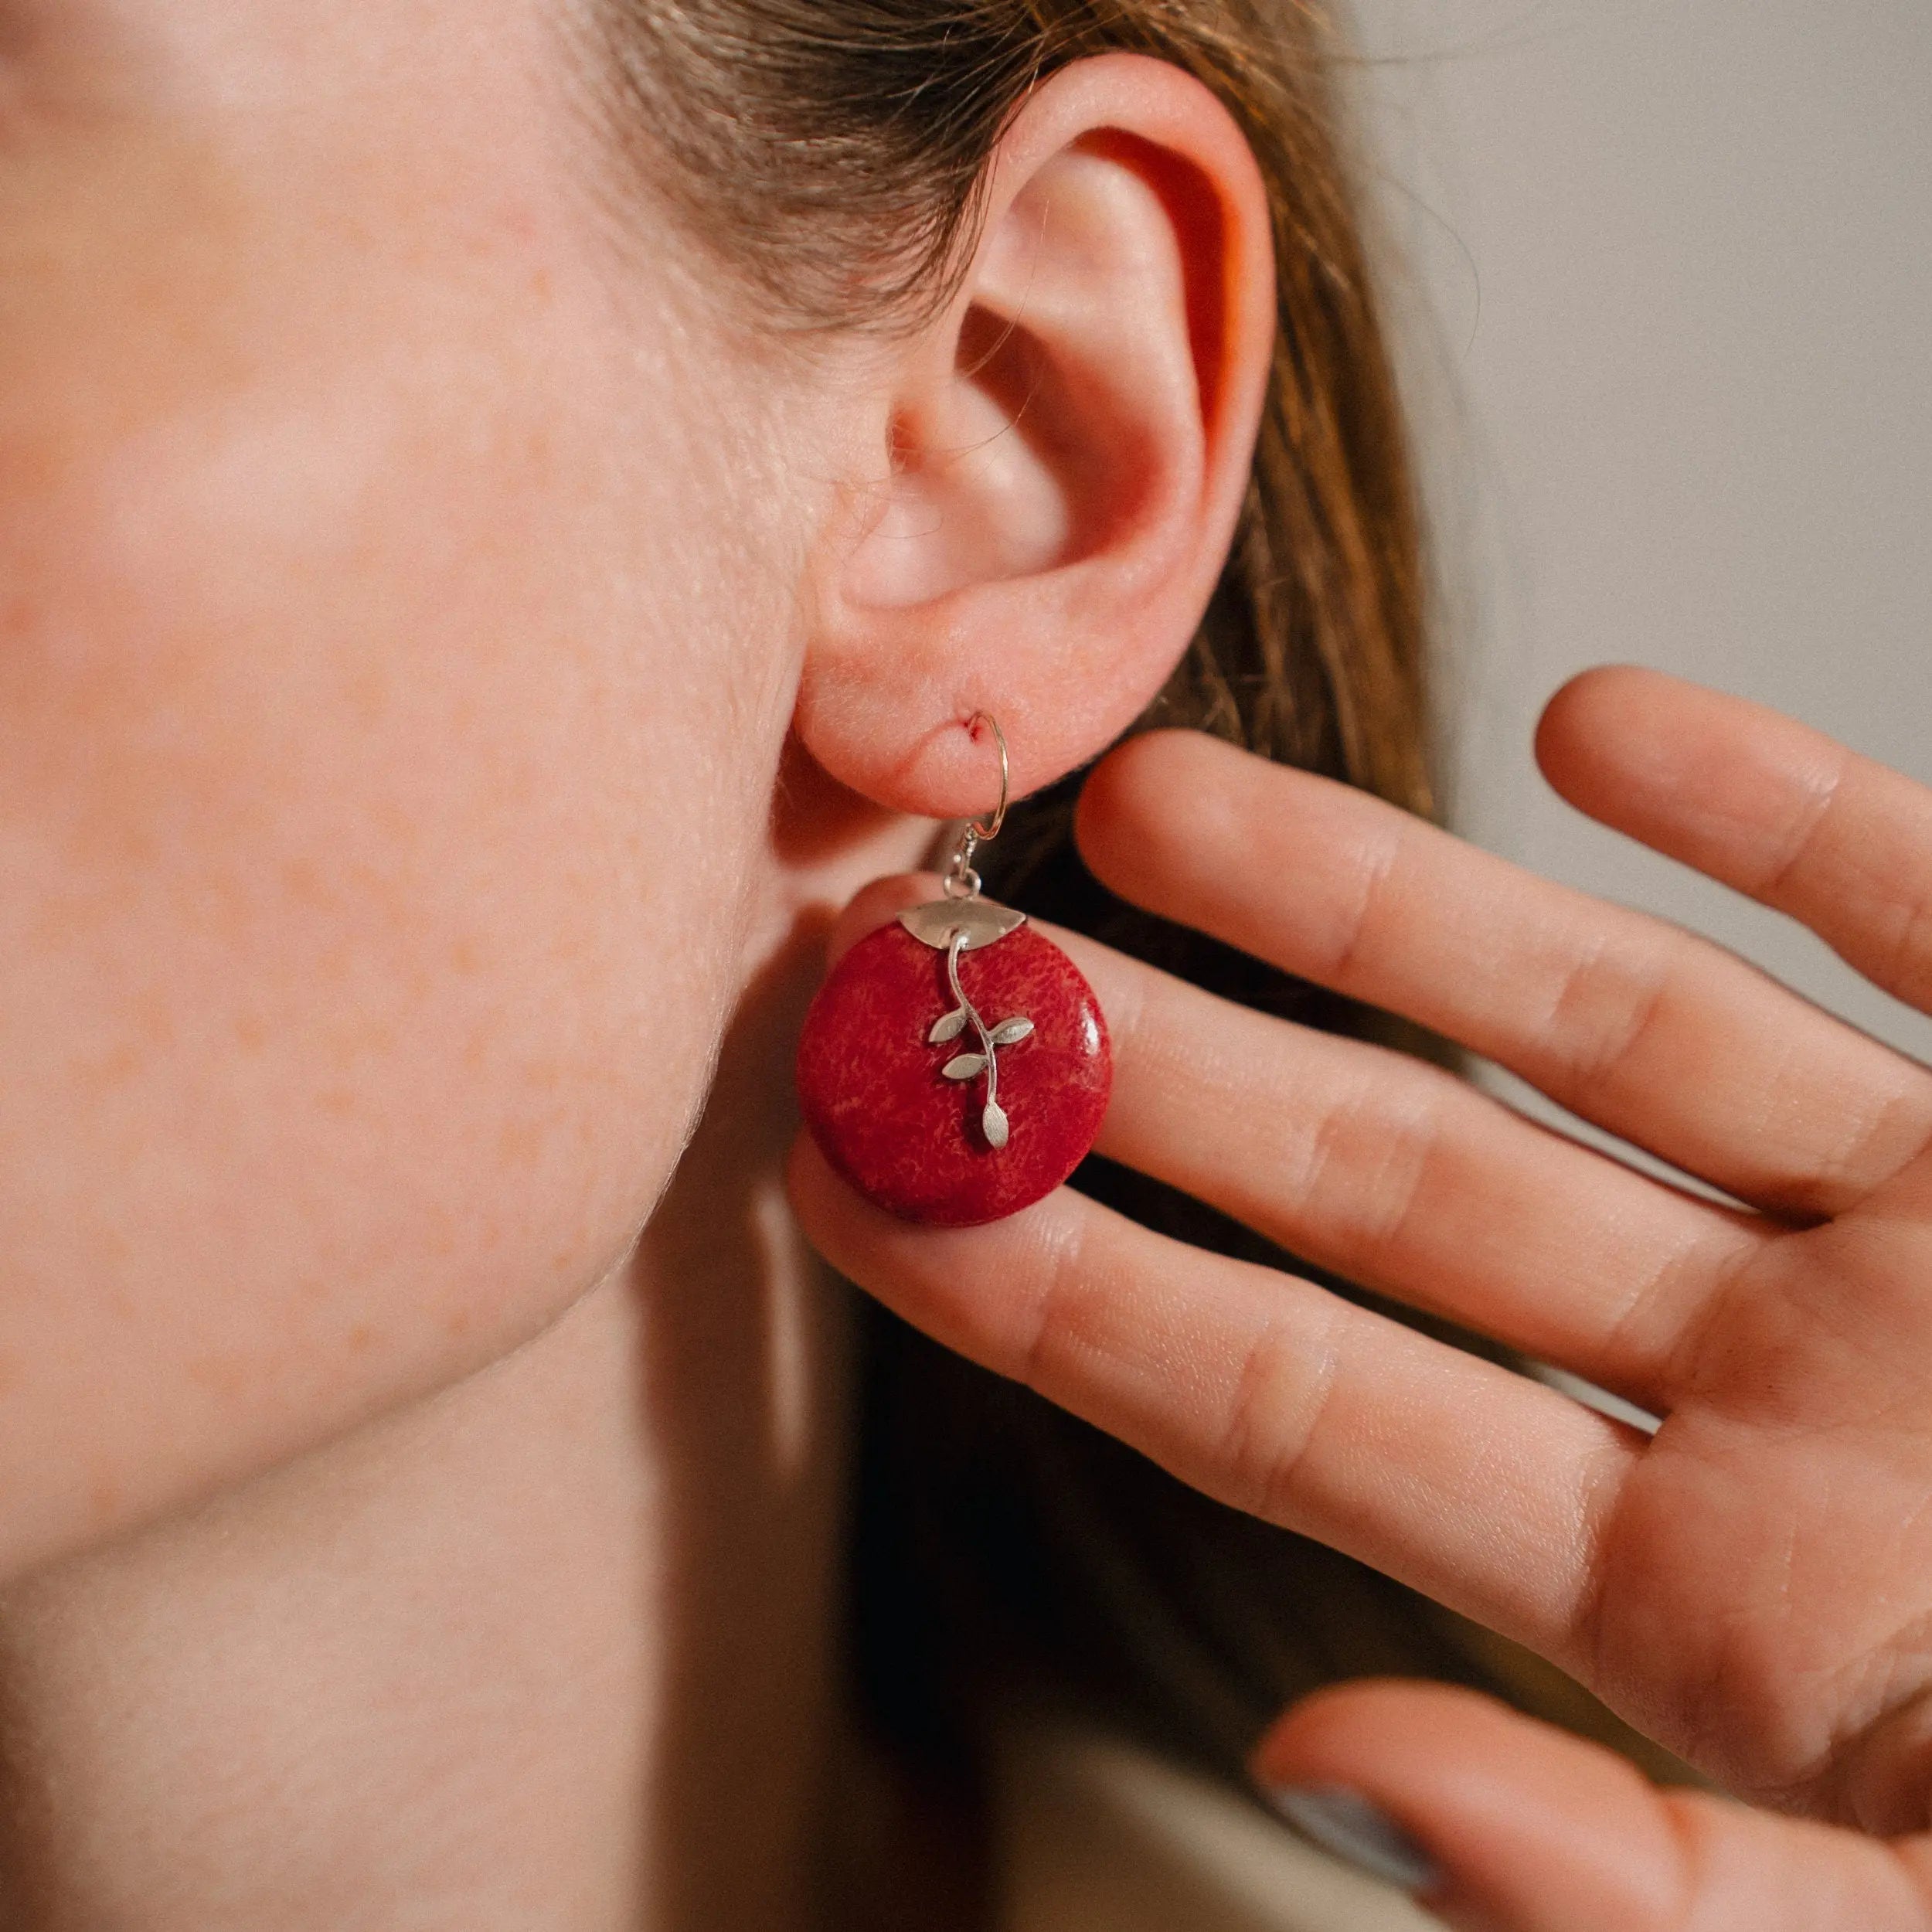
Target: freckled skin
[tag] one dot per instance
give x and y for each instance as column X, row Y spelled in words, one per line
column 379, row 599
column 413, row 556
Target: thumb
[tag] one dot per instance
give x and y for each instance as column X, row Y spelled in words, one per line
column 1499, row 1823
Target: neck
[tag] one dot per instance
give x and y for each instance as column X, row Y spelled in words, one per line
column 555, row 1649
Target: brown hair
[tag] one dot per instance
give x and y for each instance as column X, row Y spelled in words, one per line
column 834, row 151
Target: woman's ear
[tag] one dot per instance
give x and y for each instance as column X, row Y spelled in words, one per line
column 1060, row 456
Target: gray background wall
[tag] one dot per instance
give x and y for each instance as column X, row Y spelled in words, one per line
column 1671, row 337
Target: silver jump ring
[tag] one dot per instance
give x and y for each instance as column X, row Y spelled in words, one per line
column 983, row 829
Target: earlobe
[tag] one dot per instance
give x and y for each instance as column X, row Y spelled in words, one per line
column 1064, row 451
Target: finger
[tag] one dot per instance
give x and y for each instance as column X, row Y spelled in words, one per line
column 1391, row 1172
column 1397, row 1175
column 1760, row 801
column 1510, row 1825
column 1658, row 1036
column 873, row 904
column 1481, row 1487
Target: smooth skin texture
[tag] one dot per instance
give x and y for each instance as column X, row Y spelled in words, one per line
column 453, row 666
column 1752, row 1586
column 381, row 853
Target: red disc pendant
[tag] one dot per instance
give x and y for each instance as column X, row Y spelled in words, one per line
column 956, row 1077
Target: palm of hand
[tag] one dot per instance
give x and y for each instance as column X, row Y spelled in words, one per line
column 1764, row 1603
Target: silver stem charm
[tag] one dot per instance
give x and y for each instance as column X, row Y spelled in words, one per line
column 966, row 1066
column 960, row 923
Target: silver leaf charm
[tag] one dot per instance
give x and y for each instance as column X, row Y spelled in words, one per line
column 973, row 922
column 966, row 1066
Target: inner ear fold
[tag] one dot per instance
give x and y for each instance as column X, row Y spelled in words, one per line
column 1069, row 396
column 976, row 493
column 1097, row 456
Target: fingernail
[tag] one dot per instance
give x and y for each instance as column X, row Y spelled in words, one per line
column 1344, row 1823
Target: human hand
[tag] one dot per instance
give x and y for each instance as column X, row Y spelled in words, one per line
column 1752, row 1587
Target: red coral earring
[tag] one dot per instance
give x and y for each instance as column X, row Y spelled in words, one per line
column 955, row 1066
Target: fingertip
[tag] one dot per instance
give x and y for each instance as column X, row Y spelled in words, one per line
column 1618, row 730
column 875, row 1248
column 876, row 905
column 1524, row 1827
column 1114, row 798
column 830, row 1212
column 1604, row 702
column 805, row 1175
column 1326, row 1766
column 973, row 1289
column 1148, row 802
column 1341, row 1729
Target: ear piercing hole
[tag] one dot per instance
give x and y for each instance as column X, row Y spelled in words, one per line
column 962, row 881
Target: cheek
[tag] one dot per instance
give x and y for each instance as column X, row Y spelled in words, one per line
column 375, row 794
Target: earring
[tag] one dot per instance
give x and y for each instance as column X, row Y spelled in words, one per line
column 955, row 1066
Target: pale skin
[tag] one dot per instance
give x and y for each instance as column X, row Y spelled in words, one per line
column 452, row 671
